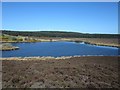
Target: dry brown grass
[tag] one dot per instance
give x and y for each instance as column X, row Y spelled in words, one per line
column 77, row 72
column 100, row 41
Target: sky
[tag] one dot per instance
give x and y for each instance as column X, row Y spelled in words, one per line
column 83, row 17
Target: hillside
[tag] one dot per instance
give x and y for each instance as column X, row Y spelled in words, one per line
column 58, row 34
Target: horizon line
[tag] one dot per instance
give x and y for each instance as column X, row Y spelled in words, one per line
column 55, row 31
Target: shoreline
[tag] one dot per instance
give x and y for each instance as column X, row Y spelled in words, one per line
column 50, row 57
column 8, row 47
column 102, row 45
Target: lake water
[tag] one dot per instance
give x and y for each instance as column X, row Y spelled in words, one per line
column 57, row 49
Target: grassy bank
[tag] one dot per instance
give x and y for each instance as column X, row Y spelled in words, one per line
column 7, row 47
column 113, row 42
column 74, row 72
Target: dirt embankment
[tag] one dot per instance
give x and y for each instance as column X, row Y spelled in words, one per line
column 74, row 72
column 114, row 42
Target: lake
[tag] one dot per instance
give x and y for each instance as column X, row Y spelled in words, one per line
column 57, row 49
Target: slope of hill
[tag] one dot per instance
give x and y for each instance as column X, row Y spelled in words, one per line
column 59, row 34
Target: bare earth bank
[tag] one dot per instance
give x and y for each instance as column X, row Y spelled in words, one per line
column 75, row 72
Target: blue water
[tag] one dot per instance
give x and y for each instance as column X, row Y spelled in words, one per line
column 57, row 49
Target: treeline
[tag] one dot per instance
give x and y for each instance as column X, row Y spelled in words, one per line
column 59, row 34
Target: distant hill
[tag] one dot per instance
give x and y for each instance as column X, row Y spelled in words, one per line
column 59, row 34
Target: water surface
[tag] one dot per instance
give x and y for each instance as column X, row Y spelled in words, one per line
column 57, row 49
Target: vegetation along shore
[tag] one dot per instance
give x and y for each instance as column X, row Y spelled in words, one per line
column 7, row 47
